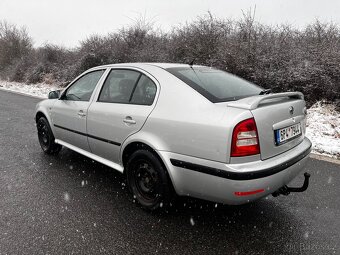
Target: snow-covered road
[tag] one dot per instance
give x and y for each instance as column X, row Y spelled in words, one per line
column 323, row 122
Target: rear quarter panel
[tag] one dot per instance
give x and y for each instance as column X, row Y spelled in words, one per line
column 185, row 122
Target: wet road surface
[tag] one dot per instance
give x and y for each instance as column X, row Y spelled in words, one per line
column 69, row 204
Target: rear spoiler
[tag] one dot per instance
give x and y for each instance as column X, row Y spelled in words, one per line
column 251, row 103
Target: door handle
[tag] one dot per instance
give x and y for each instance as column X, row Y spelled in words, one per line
column 81, row 113
column 129, row 120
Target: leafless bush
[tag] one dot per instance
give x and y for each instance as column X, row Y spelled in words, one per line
column 280, row 57
column 15, row 45
column 47, row 64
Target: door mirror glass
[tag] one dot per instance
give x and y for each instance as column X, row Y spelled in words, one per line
column 54, row 94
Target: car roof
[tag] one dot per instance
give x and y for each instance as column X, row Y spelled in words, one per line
column 145, row 64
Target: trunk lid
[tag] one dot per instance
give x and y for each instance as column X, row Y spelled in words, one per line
column 274, row 112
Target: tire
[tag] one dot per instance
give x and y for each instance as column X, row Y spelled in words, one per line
column 149, row 181
column 46, row 137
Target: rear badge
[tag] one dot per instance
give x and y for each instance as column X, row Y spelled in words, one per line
column 291, row 110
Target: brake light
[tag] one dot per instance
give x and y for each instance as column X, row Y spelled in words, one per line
column 245, row 140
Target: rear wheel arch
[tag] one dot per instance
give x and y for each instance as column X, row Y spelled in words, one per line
column 129, row 157
column 135, row 146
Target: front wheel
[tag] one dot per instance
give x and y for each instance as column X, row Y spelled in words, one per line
column 148, row 180
column 46, row 138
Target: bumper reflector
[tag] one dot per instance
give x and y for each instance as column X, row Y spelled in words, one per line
column 247, row 193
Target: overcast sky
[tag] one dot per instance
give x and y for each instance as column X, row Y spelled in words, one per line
column 65, row 22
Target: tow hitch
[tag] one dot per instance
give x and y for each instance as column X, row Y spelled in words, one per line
column 285, row 190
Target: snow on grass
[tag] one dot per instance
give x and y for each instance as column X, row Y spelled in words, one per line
column 323, row 122
column 39, row 90
column 323, row 129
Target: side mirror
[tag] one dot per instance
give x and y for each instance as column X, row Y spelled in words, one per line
column 54, row 94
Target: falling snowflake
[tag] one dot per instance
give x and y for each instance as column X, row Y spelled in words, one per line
column 330, row 179
column 192, row 222
column 306, row 235
column 66, row 197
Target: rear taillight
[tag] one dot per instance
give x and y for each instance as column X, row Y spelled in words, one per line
column 245, row 140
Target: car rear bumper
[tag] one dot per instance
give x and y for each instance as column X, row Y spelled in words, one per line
column 234, row 183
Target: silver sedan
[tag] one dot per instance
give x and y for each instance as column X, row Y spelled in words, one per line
column 180, row 129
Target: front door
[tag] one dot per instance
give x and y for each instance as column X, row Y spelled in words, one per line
column 70, row 111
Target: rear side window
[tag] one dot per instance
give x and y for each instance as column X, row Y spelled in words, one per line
column 128, row 87
column 118, row 86
column 145, row 92
column 215, row 85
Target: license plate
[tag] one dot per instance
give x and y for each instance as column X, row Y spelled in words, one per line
column 286, row 134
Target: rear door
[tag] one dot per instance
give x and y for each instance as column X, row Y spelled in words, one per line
column 70, row 111
column 123, row 104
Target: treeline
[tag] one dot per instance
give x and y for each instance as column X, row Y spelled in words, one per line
column 281, row 57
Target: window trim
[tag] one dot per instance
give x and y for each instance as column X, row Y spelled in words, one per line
column 133, row 90
column 135, row 86
column 63, row 95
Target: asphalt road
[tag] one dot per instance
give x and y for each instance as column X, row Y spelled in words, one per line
column 70, row 204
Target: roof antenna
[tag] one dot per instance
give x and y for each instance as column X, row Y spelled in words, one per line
column 192, row 62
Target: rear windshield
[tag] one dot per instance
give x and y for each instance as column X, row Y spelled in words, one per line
column 215, row 85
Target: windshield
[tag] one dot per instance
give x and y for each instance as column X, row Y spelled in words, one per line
column 215, row 85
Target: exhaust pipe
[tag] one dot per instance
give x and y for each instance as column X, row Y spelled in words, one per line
column 285, row 190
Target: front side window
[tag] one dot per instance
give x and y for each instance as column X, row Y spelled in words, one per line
column 215, row 85
column 81, row 90
column 128, row 87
